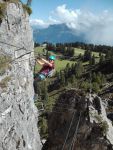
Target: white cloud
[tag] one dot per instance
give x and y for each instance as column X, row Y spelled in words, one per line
column 96, row 28
column 44, row 24
column 53, row 21
column 67, row 16
column 39, row 23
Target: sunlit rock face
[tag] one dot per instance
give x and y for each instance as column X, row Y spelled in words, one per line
column 79, row 122
column 18, row 115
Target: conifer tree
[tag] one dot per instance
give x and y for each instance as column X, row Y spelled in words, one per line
column 94, row 77
column 79, row 69
column 72, row 79
column 93, row 60
column 62, row 78
column 72, row 68
column 102, row 59
column 103, row 79
column 95, row 87
column 87, row 55
column 45, row 91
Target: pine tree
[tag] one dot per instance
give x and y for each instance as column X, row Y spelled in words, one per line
column 67, row 70
column 96, row 87
column 92, row 60
column 72, row 68
column 72, row 79
column 100, row 54
column 98, row 79
column 79, row 69
column 62, row 78
column 87, row 55
column 45, row 91
column 85, row 85
column 75, row 68
column 80, row 57
column 103, row 79
column 94, row 77
column 102, row 59
column 43, row 127
column 58, row 75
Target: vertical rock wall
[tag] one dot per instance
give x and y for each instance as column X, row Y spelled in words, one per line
column 18, row 115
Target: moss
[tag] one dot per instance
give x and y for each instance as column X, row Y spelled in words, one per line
column 3, row 7
column 2, row 10
column 4, row 82
column 4, row 63
column 27, row 8
column 98, row 118
column 13, row 1
column 103, row 124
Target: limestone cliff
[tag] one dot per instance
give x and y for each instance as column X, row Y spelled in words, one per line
column 18, row 115
column 79, row 122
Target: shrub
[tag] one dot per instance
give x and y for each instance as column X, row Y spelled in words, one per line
column 4, row 82
column 95, row 87
column 27, row 8
column 4, row 63
column 39, row 105
column 99, row 118
column 85, row 85
column 13, row 1
column 49, row 104
column 103, row 124
column 2, row 10
column 43, row 127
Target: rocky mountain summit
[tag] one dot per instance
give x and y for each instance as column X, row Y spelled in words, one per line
column 57, row 33
column 18, row 115
column 79, row 122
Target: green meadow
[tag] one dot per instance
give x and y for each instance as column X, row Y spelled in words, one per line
column 60, row 64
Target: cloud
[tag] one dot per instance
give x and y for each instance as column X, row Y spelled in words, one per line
column 39, row 23
column 66, row 15
column 53, row 21
column 100, row 29
column 96, row 28
column 44, row 24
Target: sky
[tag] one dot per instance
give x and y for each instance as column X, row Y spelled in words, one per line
column 93, row 18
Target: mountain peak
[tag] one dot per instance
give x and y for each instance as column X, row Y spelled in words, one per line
column 56, row 33
column 61, row 26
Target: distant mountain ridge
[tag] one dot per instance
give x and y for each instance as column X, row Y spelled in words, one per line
column 57, row 33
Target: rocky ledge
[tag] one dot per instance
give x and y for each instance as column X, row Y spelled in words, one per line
column 79, row 122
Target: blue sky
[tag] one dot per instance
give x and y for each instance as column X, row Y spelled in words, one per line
column 92, row 18
column 43, row 8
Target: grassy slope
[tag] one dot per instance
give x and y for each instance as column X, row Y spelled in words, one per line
column 60, row 64
column 78, row 51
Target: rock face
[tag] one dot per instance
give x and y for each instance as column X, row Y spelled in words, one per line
column 79, row 122
column 18, row 115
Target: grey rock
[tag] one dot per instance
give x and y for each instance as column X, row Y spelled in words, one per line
column 79, row 122
column 18, row 114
